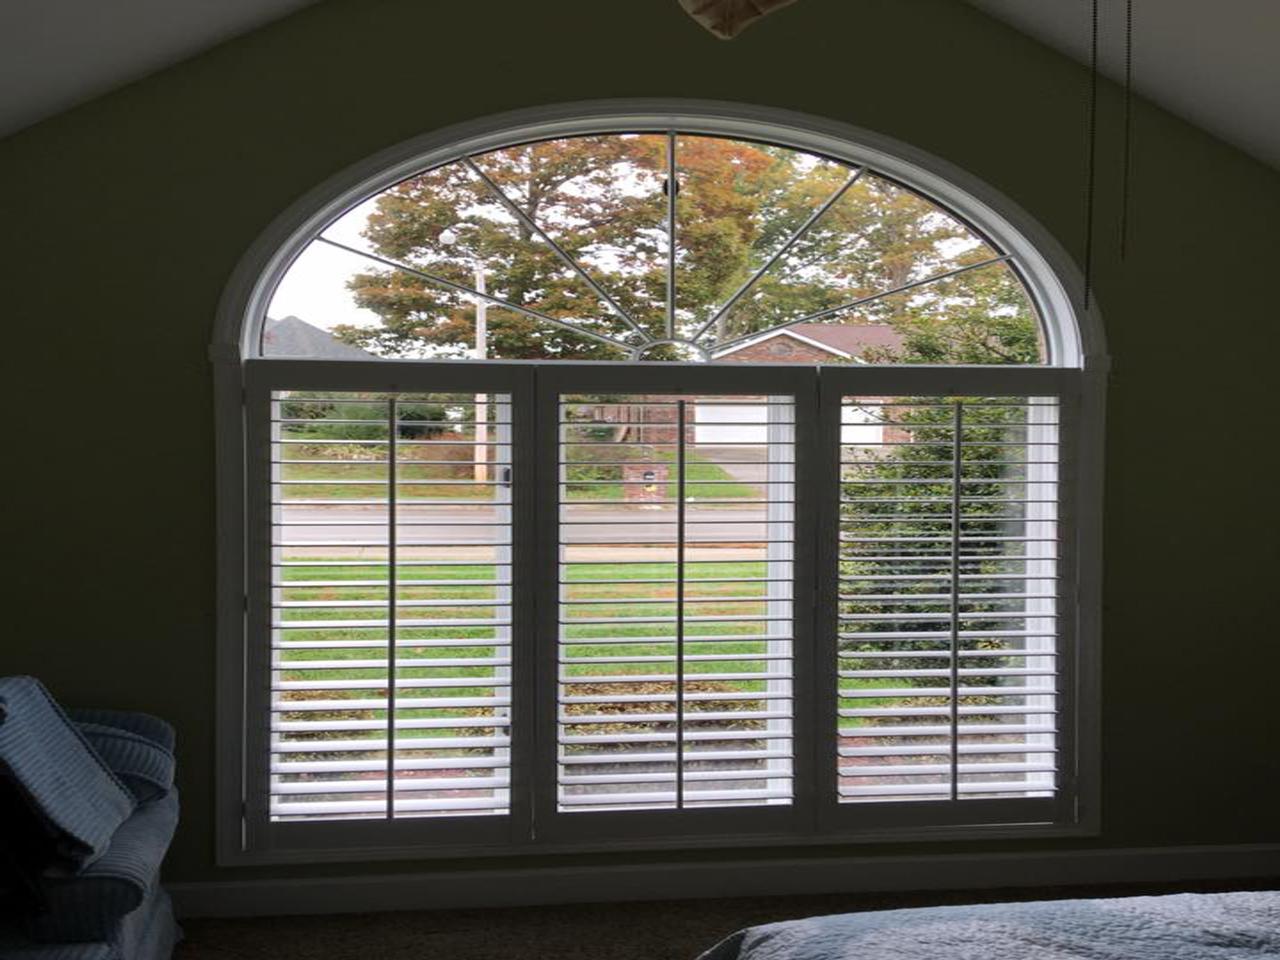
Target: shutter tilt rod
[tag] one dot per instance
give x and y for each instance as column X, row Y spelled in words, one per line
column 680, row 532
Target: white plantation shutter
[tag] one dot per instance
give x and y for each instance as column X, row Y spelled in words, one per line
column 389, row 565
column 676, row 624
column 950, row 613
column 505, row 605
column 673, row 646
column 391, row 701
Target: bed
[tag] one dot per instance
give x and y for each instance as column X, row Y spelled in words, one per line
column 1188, row 926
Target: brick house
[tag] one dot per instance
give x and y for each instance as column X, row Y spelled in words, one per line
column 813, row 343
column 803, row 343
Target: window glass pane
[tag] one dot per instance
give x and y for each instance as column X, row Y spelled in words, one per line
column 766, row 252
column 602, row 200
column 739, row 205
column 876, row 237
column 980, row 316
column 314, row 312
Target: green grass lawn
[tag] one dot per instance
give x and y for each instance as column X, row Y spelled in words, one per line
column 357, row 479
column 710, row 599
column 364, row 480
column 723, row 599
column 704, row 480
column 466, row 583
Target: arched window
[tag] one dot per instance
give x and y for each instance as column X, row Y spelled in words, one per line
column 702, row 476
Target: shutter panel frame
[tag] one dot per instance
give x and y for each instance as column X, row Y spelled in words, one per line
column 473, row 825
column 809, row 819
column 674, row 827
column 971, row 815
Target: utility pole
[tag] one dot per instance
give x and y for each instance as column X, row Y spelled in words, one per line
column 481, row 456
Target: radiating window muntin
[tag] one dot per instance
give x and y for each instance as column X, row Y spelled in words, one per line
column 576, row 249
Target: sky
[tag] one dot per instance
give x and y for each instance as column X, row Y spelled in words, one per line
column 314, row 288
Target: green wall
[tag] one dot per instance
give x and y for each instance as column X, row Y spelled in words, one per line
column 123, row 218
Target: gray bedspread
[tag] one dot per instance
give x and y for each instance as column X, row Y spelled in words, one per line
column 1190, row 926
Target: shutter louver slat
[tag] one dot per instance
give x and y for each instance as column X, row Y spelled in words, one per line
column 947, row 621
column 391, row 606
column 676, row 614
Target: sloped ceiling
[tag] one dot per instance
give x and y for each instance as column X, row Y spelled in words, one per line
column 1213, row 63
column 55, row 54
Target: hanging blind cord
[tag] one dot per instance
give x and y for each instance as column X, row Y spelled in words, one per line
column 1091, row 164
column 1127, row 171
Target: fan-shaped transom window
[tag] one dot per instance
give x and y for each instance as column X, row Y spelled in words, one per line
column 827, row 580
column 580, row 248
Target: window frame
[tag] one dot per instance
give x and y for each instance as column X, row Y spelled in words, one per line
column 1077, row 366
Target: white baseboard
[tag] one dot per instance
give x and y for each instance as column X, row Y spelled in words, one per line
column 815, row 875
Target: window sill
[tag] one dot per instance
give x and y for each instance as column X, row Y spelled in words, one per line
column 439, row 851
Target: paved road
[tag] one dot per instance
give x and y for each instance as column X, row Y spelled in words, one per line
column 621, row 531
column 481, row 524
column 741, row 471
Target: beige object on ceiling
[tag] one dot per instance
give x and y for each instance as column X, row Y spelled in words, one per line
column 727, row 18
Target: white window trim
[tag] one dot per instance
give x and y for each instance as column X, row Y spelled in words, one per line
column 1076, row 356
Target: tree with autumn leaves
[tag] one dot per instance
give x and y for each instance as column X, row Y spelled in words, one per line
column 603, row 201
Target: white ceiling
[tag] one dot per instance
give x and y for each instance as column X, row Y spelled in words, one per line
column 1214, row 62
column 55, row 54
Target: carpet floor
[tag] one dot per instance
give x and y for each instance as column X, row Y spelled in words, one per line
column 668, row 930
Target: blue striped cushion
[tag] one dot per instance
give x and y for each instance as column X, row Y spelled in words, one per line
column 145, row 766
column 65, row 784
column 143, row 724
column 91, row 904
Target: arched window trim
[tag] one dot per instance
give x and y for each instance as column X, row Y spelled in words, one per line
column 1073, row 333
column 1074, row 345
